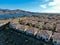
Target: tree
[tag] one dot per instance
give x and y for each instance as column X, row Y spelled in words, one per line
column 54, row 27
column 40, row 27
column 29, row 24
column 21, row 22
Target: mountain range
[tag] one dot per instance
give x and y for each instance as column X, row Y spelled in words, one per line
column 17, row 11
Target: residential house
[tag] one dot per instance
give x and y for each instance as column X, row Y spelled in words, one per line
column 26, row 28
column 44, row 34
column 13, row 24
column 56, row 39
column 48, row 26
column 32, row 31
column 58, row 27
column 20, row 28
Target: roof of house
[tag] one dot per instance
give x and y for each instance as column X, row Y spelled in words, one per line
column 32, row 30
column 58, row 27
column 56, row 36
column 45, row 33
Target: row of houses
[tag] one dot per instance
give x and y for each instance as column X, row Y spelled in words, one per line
column 56, row 38
column 46, row 24
column 56, row 35
column 44, row 33
column 32, row 31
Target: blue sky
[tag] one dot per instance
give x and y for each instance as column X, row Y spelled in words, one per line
column 46, row 6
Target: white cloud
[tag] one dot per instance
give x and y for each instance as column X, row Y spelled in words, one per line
column 52, row 4
column 55, row 2
column 55, row 7
column 43, row 6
